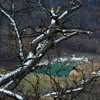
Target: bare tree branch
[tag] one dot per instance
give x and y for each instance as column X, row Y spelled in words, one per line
column 13, row 23
column 70, row 33
column 40, row 44
column 11, row 94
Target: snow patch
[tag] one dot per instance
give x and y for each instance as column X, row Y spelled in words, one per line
column 10, row 74
column 52, row 11
column 73, row 58
column 29, row 59
column 45, row 62
column 68, row 91
column 18, row 97
column 66, row 12
column 52, row 21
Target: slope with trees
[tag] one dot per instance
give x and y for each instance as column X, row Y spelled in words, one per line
column 30, row 42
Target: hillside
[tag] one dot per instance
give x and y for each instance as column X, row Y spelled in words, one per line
column 86, row 18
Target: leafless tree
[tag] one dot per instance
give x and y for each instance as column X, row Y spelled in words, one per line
column 34, row 35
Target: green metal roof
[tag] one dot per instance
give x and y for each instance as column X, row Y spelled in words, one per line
column 55, row 69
